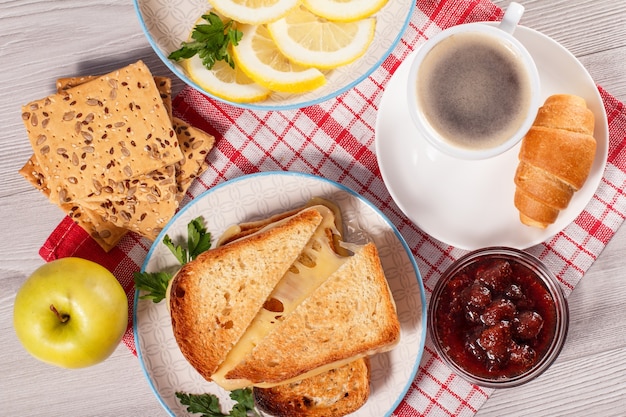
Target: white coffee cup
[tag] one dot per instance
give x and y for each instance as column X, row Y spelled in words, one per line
column 473, row 89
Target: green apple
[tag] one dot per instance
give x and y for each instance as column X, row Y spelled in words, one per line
column 70, row 312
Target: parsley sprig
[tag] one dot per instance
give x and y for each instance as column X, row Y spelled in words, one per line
column 198, row 241
column 210, row 41
column 155, row 283
column 209, row 405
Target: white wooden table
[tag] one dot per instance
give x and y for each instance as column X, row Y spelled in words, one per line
column 43, row 40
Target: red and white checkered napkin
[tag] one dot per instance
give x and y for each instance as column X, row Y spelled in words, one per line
column 336, row 140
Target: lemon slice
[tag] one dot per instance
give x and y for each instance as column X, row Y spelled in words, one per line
column 224, row 81
column 311, row 40
column 258, row 57
column 253, row 12
column 344, row 10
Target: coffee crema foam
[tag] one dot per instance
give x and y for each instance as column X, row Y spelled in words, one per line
column 473, row 90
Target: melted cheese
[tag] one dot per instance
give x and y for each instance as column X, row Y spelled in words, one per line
column 316, row 263
column 231, row 232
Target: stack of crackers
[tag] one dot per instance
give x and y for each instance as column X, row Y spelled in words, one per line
column 108, row 151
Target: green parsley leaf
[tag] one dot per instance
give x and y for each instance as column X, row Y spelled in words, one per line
column 179, row 252
column 210, row 42
column 155, row 283
column 198, row 241
column 245, row 401
column 206, row 404
column 238, row 410
column 209, row 405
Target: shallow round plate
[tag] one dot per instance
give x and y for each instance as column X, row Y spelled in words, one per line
column 259, row 196
column 167, row 23
column 469, row 204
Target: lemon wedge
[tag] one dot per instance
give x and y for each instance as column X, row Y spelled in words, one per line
column 259, row 58
column 224, row 81
column 344, row 10
column 311, row 40
column 253, row 12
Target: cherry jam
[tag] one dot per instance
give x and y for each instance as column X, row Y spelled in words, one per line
column 495, row 318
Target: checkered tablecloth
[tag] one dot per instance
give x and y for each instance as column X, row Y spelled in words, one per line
column 335, row 140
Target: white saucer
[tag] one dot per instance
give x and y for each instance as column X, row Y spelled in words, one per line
column 469, row 204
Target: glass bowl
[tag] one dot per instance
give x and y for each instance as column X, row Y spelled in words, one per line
column 498, row 317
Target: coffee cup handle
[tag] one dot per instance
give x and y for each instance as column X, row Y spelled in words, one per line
column 511, row 17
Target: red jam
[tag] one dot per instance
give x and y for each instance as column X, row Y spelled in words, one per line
column 495, row 318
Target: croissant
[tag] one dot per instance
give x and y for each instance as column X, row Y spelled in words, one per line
column 555, row 159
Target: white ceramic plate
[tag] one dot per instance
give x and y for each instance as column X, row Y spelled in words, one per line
column 167, row 23
column 258, row 196
column 469, row 204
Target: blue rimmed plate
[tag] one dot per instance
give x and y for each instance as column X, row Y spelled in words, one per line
column 258, row 196
column 167, row 23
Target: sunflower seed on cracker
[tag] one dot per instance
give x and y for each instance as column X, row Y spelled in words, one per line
column 135, row 191
column 195, row 145
column 91, row 122
column 163, row 84
column 107, row 235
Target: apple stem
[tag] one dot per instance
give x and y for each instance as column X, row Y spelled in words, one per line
column 62, row 317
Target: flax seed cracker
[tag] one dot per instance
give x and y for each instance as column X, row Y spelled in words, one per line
column 106, row 234
column 143, row 204
column 146, row 203
column 114, row 127
column 195, row 145
column 163, row 84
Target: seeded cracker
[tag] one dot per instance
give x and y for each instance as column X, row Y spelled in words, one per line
column 136, row 205
column 68, row 82
column 114, row 127
column 164, row 85
column 32, row 172
column 105, row 234
column 146, row 203
column 142, row 203
column 195, row 144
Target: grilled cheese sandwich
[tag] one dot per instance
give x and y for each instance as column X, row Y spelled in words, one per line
column 317, row 261
column 330, row 308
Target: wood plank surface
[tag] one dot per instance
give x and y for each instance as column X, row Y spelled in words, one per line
column 42, row 40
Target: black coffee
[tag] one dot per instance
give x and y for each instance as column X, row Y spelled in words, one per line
column 473, row 90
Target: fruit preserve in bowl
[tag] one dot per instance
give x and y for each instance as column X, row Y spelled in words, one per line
column 498, row 317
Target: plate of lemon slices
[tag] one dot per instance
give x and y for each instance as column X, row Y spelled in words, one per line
column 273, row 54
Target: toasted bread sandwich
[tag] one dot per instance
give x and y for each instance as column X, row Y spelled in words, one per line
column 318, row 259
column 302, row 333
column 333, row 393
column 350, row 315
column 214, row 298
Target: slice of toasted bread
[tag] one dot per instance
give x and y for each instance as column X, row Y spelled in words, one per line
column 214, row 298
column 316, row 262
column 351, row 315
column 334, row 393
